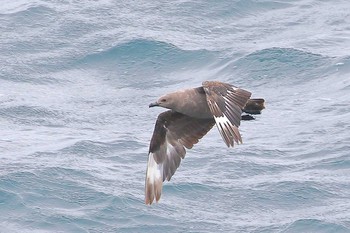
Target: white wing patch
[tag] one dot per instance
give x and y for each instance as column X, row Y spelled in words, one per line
column 233, row 90
column 172, row 134
column 228, row 131
column 156, row 173
column 154, row 179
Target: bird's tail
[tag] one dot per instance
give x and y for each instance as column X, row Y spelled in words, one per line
column 254, row 106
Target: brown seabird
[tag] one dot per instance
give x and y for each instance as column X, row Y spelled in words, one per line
column 193, row 112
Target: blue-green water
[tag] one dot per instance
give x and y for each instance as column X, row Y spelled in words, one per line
column 76, row 78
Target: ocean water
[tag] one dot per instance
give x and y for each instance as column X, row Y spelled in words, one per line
column 76, row 78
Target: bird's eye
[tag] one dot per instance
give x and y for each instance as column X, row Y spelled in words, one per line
column 163, row 100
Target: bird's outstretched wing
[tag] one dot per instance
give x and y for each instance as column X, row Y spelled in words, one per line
column 226, row 103
column 173, row 133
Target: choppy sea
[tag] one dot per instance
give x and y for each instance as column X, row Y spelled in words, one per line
column 76, row 78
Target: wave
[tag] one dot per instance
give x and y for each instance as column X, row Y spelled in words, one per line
column 146, row 57
column 235, row 9
column 315, row 225
column 61, row 196
column 24, row 8
column 149, row 53
column 149, row 57
column 102, row 149
column 165, row 64
column 279, row 63
column 23, row 114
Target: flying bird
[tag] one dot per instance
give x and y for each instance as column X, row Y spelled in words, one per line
column 193, row 112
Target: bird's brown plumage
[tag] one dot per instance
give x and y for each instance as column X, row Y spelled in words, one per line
column 193, row 113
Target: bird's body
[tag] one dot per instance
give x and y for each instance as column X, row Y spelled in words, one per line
column 193, row 112
column 191, row 102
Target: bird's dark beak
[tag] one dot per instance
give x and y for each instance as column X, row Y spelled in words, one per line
column 153, row 104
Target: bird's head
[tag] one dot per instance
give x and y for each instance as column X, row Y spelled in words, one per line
column 165, row 101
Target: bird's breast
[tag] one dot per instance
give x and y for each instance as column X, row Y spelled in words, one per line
column 195, row 104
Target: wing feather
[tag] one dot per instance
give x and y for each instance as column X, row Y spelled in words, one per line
column 173, row 133
column 226, row 102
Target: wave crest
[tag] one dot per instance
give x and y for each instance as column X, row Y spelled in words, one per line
column 149, row 53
